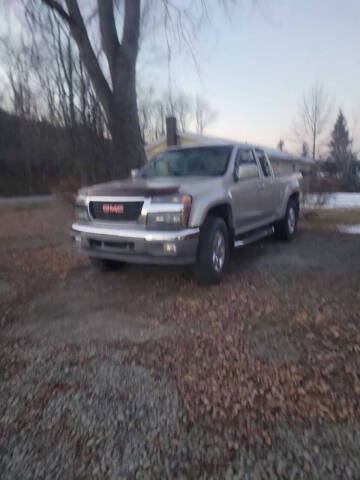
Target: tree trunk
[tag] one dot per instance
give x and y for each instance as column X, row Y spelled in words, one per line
column 314, row 146
column 118, row 100
column 124, row 122
column 128, row 150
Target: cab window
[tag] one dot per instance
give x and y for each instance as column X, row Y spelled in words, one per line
column 265, row 167
column 245, row 156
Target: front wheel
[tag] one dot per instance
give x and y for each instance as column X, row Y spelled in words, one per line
column 213, row 252
column 286, row 228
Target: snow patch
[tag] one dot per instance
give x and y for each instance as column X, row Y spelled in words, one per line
column 354, row 229
column 332, row 200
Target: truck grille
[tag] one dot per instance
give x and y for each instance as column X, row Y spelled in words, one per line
column 116, row 211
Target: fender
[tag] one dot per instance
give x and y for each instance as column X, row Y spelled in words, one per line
column 223, row 210
column 290, row 189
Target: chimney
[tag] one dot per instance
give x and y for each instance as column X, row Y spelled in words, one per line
column 171, row 135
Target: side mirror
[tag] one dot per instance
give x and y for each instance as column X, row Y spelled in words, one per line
column 134, row 172
column 245, row 171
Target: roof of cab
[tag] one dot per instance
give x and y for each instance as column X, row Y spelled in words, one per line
column 206, row 141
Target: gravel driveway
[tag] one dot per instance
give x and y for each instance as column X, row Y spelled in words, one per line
column 109, row 375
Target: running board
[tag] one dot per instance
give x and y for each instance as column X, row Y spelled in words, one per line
column 254, row 236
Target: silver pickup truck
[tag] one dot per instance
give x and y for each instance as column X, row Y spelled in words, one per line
column 188, row 206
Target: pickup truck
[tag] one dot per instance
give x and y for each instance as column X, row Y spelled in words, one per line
column 188, row 206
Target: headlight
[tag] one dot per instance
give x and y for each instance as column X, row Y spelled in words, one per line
column 80, row 199
column 81, row 212
column 164, row 221
column 169, row 220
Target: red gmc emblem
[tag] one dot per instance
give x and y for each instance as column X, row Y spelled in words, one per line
column 108, row 208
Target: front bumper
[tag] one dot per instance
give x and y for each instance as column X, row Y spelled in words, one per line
column 137, row 245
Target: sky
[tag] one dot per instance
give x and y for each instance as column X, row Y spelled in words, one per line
column 255, row 63
column 255, row 66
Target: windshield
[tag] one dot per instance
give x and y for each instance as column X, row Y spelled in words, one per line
column 211, row 161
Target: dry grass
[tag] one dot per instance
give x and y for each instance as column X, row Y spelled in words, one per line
column 44, row 219
column 28, row 205
column 329, row 220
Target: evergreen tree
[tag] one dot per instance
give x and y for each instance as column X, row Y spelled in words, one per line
column 305, row 150
column 340, row 146
column 280, row 145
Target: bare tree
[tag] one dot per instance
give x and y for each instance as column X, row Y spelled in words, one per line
column 22, row 96
column 117, row 94
column 204, row 115
column 19, row 73
column 68, row 95
column 106, row 35
column 314, row 113
column 182, row 110
column 60, row 129
column 112, row 70
column 153, row 110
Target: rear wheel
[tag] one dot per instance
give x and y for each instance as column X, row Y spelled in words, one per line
column 103, row 264
column 213, row 252
column 286, row 228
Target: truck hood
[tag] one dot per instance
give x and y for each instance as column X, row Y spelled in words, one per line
column 154, row 186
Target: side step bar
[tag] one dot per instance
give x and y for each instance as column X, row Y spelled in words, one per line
column 254, row 236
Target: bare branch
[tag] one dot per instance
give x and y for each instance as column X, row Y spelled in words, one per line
column 59, row 10
column 78, row 30
column 80, row 34
column 313, row 116
column 110, row 40
column 204, row 115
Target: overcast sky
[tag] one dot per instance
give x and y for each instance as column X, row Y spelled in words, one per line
column 255, row 66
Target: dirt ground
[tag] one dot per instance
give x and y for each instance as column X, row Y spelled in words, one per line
column 140, row 373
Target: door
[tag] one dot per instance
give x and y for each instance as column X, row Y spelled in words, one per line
column 269, row 195
column 247, row 194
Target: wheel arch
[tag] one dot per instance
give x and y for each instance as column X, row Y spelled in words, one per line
column 295, row 196
column 290, row 194
column 223, row 210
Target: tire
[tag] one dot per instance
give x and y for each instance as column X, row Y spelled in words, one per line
column 104, row 265
column 213, row 252
column 286, row 228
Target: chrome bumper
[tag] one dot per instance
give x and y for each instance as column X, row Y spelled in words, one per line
column 137, row 245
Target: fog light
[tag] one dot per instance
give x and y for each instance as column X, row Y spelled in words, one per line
column 170, row 247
